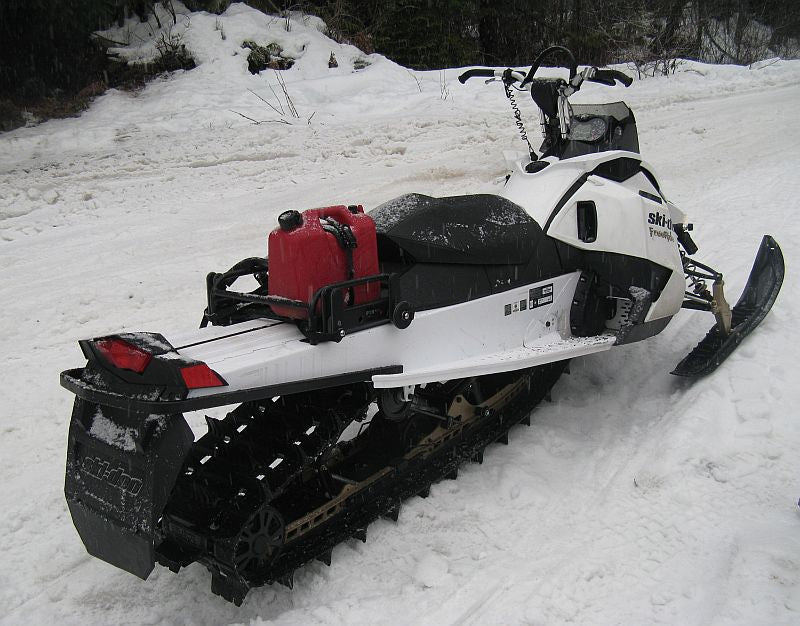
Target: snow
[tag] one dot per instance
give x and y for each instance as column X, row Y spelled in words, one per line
column 151, row 342
column 391, row 213
column 638, row 293
column 107, row 431
column 635, row 497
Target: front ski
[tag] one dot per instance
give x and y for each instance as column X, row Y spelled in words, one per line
column 755, row 302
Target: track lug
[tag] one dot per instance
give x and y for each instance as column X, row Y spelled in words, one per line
column 478, row 457
column 503, row 439
column 325, row 558
column 424, row 493
column 526, row 420
column 453, row 475
column 214, row 426
column 360, row 534
column 231, row 589
column 393, row 513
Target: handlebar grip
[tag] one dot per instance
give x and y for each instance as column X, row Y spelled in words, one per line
column 607, row 77
column 609, row 82
column 483, row 71
column 623, row 78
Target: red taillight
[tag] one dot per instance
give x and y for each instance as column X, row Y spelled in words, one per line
column 123, row 355
column 200, row 375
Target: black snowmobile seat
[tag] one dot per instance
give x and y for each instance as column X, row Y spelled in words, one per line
column 480, row 229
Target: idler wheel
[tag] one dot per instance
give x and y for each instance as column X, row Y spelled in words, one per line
column 259, row 542
column 392, row 404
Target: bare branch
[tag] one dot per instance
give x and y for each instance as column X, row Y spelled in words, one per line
column 244, row 116
column 269, row 104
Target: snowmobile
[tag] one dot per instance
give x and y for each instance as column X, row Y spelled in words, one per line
column 380, row 351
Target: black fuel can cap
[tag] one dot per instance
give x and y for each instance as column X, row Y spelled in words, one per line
column 289, row 220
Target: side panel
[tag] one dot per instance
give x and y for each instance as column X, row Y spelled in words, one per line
column 630, row 223
column 489, row 327
column 540, row 193
column 627, row 223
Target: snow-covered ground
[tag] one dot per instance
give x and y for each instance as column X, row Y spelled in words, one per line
column 635, row 498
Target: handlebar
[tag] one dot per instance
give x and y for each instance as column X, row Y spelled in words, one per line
column 603, row 77
column 478, row 71
column 572, row 67
column 551, row 95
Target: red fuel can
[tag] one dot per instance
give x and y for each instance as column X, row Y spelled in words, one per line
column 312, row 249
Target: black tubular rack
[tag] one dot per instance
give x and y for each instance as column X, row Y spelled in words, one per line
column 326, row 317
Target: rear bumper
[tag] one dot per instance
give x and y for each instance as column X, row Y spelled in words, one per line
column 72, row 381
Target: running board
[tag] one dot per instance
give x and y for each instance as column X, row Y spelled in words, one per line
column 755, row 302
column 547, row 349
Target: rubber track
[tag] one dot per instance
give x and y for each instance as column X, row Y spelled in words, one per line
column 382, row 498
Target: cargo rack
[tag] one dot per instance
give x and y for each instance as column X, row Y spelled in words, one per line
column 326, row 317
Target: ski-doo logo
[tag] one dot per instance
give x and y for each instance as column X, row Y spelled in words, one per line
column 116, row 477
column 658, row 219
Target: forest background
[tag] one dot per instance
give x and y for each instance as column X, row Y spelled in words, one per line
column 51, row 60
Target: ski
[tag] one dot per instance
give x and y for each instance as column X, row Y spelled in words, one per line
column 763, row 285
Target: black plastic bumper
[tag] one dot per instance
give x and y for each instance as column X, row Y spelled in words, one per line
column 72, row 381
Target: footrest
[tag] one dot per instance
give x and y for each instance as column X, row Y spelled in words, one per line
column 547, row 349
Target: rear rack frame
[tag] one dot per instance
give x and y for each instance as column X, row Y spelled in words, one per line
column 326, row 317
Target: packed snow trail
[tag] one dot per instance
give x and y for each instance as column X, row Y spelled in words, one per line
column 635, row 497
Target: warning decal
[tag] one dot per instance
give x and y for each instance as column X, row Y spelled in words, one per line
column 540, row 296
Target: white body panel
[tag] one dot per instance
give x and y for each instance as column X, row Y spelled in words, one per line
column 623, row 215
column 468, row 339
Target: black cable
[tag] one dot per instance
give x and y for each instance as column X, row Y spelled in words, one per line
column 518, row 120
